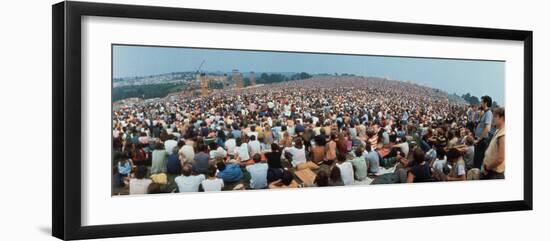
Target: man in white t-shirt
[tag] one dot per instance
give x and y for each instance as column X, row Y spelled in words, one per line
column 212, row 183
column 140, row 184
column 254, row 146
column 230, row 145
column 187, row 182
column 187, row 152
column 346, row 170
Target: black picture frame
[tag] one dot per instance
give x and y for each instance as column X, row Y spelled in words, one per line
column 66, row 127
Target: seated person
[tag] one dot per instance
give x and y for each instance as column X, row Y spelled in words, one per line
column 187, row 182
column 287, row 181
column 139, row 184
column 212, row 183
column 458, row 170
column 229, row 172
column 258, row 173
column 346, row 169
column 359, row 165
column 420, row 171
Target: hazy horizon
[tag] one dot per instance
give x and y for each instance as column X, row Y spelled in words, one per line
column 477, row 77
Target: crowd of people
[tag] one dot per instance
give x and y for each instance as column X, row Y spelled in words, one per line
column 346, row 130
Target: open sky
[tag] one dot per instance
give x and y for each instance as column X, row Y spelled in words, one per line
column 478, row 77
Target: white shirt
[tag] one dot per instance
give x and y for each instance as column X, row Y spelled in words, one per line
column 230, row 145
column 139, row 186
column 188, row 152
column 346, row 170
column 169, row 146
column 254, row 147
column 439, row 164
column 220, row 152
column 298, row 155
column 242, row 152
column 210, row 185
column 189, row 183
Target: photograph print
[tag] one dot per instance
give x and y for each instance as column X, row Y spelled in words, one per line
column 196, row 120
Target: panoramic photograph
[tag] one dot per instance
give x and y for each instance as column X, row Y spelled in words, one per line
column 193, row 120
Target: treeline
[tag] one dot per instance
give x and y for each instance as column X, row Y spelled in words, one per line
column 266, row 78
column 146, row 91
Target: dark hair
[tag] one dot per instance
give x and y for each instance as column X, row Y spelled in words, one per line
column 418, row 156
column 335, row 174
column 299, row 143
column 487, row 99
column 220, row 165
column 257, row 158
column 141, row 171
column 253, row 138
column 186, row 170
column 321, row 180
column 358, row 151
column 154, row 188
column 440, row 153
column 213, row 145
column 274, row 147
column 202, row 148
column 453, row 154
column 499, row 112
column 287, row 177
column 212, row 171
column 341, row 157
column 368, row 147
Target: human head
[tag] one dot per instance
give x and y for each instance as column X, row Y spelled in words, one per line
column 274, row 147
column 440, row 153
column 257, row 158
column 220, row 165
column 335, row 174
column 287, row 177
column 154, row 188
column 453, row 155
column 141, row 171
column 418, row 156
column 359, row 151
column 186, row 170
column 212, row 171
column 486, row 101
column 499, row 117
column 321, row 180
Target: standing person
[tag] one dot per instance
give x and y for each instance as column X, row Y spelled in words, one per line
column 258, row 173
column 212, row 183
column 493, row 164
column 187, row 182
column 482, row 131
